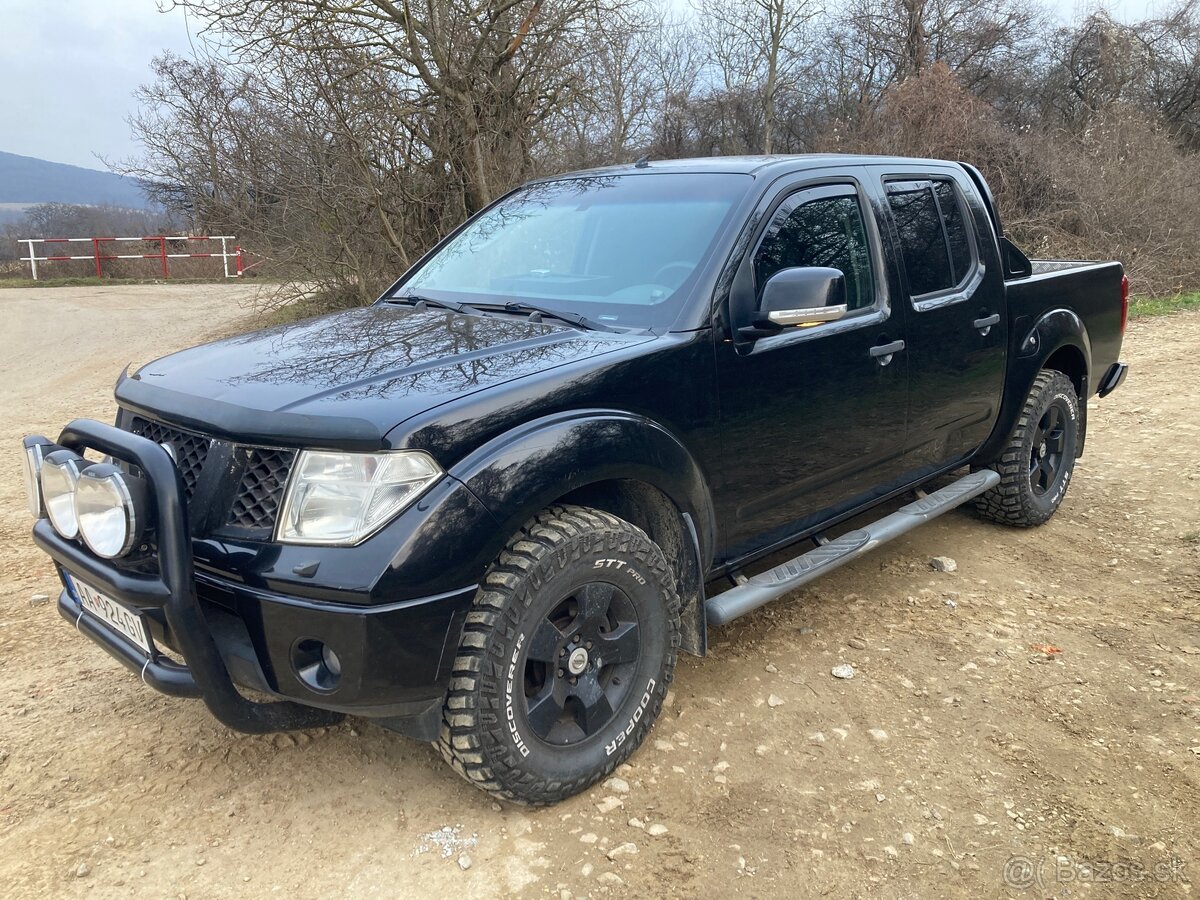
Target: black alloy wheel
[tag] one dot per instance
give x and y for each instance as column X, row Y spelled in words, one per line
column 565, row 658
column 1047, row 450
column 1036, row 462
column 579, row 664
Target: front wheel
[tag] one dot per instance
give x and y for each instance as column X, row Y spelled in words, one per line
column 565, row 657
column 1035, row 466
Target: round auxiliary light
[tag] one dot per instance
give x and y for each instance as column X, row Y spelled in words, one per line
column 110, row 508
column 36, row 449
column 60, row 473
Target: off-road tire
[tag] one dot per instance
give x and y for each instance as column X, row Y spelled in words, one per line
column 1017, row 500
column 486, row 734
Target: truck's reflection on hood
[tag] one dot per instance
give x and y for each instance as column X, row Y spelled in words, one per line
column 382, row 363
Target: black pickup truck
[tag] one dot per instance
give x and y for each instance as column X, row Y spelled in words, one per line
column 490, row 509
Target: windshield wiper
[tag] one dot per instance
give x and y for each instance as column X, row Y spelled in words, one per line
column 536, row 312
column 420, row 302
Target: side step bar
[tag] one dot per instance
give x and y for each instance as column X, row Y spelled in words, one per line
column 771, row 585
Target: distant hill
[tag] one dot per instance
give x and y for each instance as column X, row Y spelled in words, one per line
column 26, row 180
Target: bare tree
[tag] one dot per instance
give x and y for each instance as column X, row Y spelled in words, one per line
column 616, row 88
column 350, row 134
column 977, row 39
column 1093, row 66
column 1152, row 64
column 1172, row 77
column 346, row 136
column 758, row 49
column 487, row 70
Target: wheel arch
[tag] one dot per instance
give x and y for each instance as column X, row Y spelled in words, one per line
column 1069, row 360
column 1056, row 340
column 655, row 513
column 619, row 462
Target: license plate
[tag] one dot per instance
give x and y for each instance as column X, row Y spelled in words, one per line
column 116, row 616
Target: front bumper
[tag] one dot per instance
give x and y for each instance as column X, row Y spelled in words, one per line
column 395, row 658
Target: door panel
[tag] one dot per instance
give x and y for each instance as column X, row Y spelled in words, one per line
column 956, row 321
column 812, row 420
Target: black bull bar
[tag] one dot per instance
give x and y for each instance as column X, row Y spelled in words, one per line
column 173, row 590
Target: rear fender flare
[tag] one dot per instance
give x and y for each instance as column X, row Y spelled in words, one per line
column 1033, row 345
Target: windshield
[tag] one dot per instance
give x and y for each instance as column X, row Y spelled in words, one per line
column 623, row 250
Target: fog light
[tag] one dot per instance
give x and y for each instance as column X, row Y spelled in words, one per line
column 110, row 509
column 35, row 449
column 332, row 663
column 316, row 665
column 60, row 473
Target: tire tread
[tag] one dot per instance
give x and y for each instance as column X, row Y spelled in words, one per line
column 495, row 612
column 1010, row 502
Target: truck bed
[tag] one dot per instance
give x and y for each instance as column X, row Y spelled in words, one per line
column 1091, row 290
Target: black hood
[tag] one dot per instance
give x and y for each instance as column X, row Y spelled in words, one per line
column 347, row 379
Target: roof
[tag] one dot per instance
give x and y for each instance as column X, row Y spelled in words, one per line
column 754, row 165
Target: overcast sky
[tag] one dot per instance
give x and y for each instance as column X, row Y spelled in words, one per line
column 69, row 69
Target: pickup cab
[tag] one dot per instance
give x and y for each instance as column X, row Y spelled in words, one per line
column 490, row 509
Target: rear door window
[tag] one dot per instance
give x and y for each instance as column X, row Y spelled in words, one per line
column 955, row 223
column 935, row 240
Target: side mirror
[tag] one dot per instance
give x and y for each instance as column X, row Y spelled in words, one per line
column 799, row 297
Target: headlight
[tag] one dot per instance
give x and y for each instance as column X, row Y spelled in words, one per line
column 35, row 449
column 343, row 498
column 110, row 509
column 60, row 474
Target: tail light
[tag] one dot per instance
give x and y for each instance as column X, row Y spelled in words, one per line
column 1124, row 302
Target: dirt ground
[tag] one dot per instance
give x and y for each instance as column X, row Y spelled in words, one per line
column 960, row 760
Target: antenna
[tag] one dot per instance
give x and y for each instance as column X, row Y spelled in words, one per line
column 643, row 163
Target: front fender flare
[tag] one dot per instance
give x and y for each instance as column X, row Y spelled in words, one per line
column 528, row 468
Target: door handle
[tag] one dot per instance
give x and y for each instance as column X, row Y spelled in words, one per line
column 883, row 353
column 985, row 324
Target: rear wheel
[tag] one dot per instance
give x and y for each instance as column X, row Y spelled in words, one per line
column 565, row 657
column 1035, row 466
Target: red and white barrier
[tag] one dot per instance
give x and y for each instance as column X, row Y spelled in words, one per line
column 98, row 257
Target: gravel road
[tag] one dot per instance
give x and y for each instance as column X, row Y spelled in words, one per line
column 961, row 759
